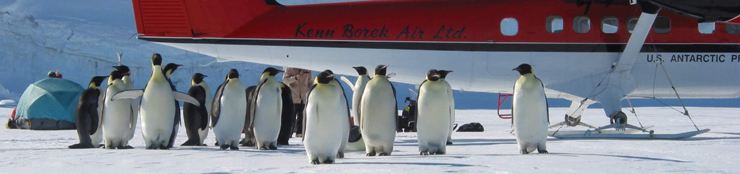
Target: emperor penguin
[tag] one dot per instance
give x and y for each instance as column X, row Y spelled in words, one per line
column 86, row 114
column 358, row 88
column 355, row 142
column 129, row 82
column 434, row 115
column 196, row 118
column 287, row 118
column 267, row 110
column 346, row 115
column 118, row 118
column 378, row 112
column 326, row 114
column 168, row 70
column 249, row 140
column 443, row 78
column 530, row 115
column 157, row 106
column 228, row 111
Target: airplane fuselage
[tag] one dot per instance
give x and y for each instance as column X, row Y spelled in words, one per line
column 480, row 41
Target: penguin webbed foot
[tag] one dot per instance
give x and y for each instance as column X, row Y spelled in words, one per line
column 272, row 147
column 370, row 154
column 164, row 147
column 340, row 155
column 383, row 154
column 223, row 147
column 315, row 162
column 423, row 153
column 127, row 147
column 449, row 143
column 542, row 151
column 439, row 153
column 81, row 146
column 246, row 143
column 524, row 152
column 234, row 147
column 328, row 161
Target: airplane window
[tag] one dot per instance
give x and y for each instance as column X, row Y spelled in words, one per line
column 581, row 24
column 732, row 28
column 609, row 24
column 509, row 27
column 662, row 25
column 554, row 24
column 706, row 27
column 631, row 23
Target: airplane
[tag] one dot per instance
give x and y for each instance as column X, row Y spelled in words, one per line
column 585, row 51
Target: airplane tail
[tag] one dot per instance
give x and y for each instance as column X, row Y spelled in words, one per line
column 183, row 18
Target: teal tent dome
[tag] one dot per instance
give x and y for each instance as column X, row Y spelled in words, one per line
column 49, row 104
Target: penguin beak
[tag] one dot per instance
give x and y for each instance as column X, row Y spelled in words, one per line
column 516, row 69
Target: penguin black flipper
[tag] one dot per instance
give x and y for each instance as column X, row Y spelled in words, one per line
column 305, row 113
column 547, row 105
column 216, row 105
column 254, row 101
column 288, row 115
column 395, row 112
column 177, row 118
column 349, row 117
column 93, row 114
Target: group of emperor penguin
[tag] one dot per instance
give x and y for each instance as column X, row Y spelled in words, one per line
column 263, row 111
column 110, row 117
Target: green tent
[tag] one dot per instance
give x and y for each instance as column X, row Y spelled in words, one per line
column 48, row 104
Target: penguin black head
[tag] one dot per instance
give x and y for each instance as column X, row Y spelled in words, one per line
column 97, row 80
column 432, row 75
column 123, row 69
column 170, row 68
column 115, row 75
column 360, row 70
column 443, row 73
column 325, row 77
column 198, row 77
column 233, row 74
column 272, row 71
column 380, row 70
column 524, row 69
column 157, row 59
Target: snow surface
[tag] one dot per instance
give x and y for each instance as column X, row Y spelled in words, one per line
column 492, row 151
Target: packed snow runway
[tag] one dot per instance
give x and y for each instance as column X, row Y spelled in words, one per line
column 492, row 151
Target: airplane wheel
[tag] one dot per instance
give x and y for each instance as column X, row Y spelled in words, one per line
column 572, row 121
column 618, row 117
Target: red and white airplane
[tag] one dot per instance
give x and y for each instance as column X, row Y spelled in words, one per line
column 586, row 51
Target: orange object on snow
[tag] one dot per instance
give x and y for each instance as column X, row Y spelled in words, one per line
column 12, row 114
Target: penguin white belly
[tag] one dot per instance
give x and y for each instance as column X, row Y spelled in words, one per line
column 97, row 138
column 356, row 97
column 530, row 116
column 157, row 114
column 324, row 131
column 267, row 115
column 116, row 121
column 231, row 120
column 434, row 118
column 378, row 117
